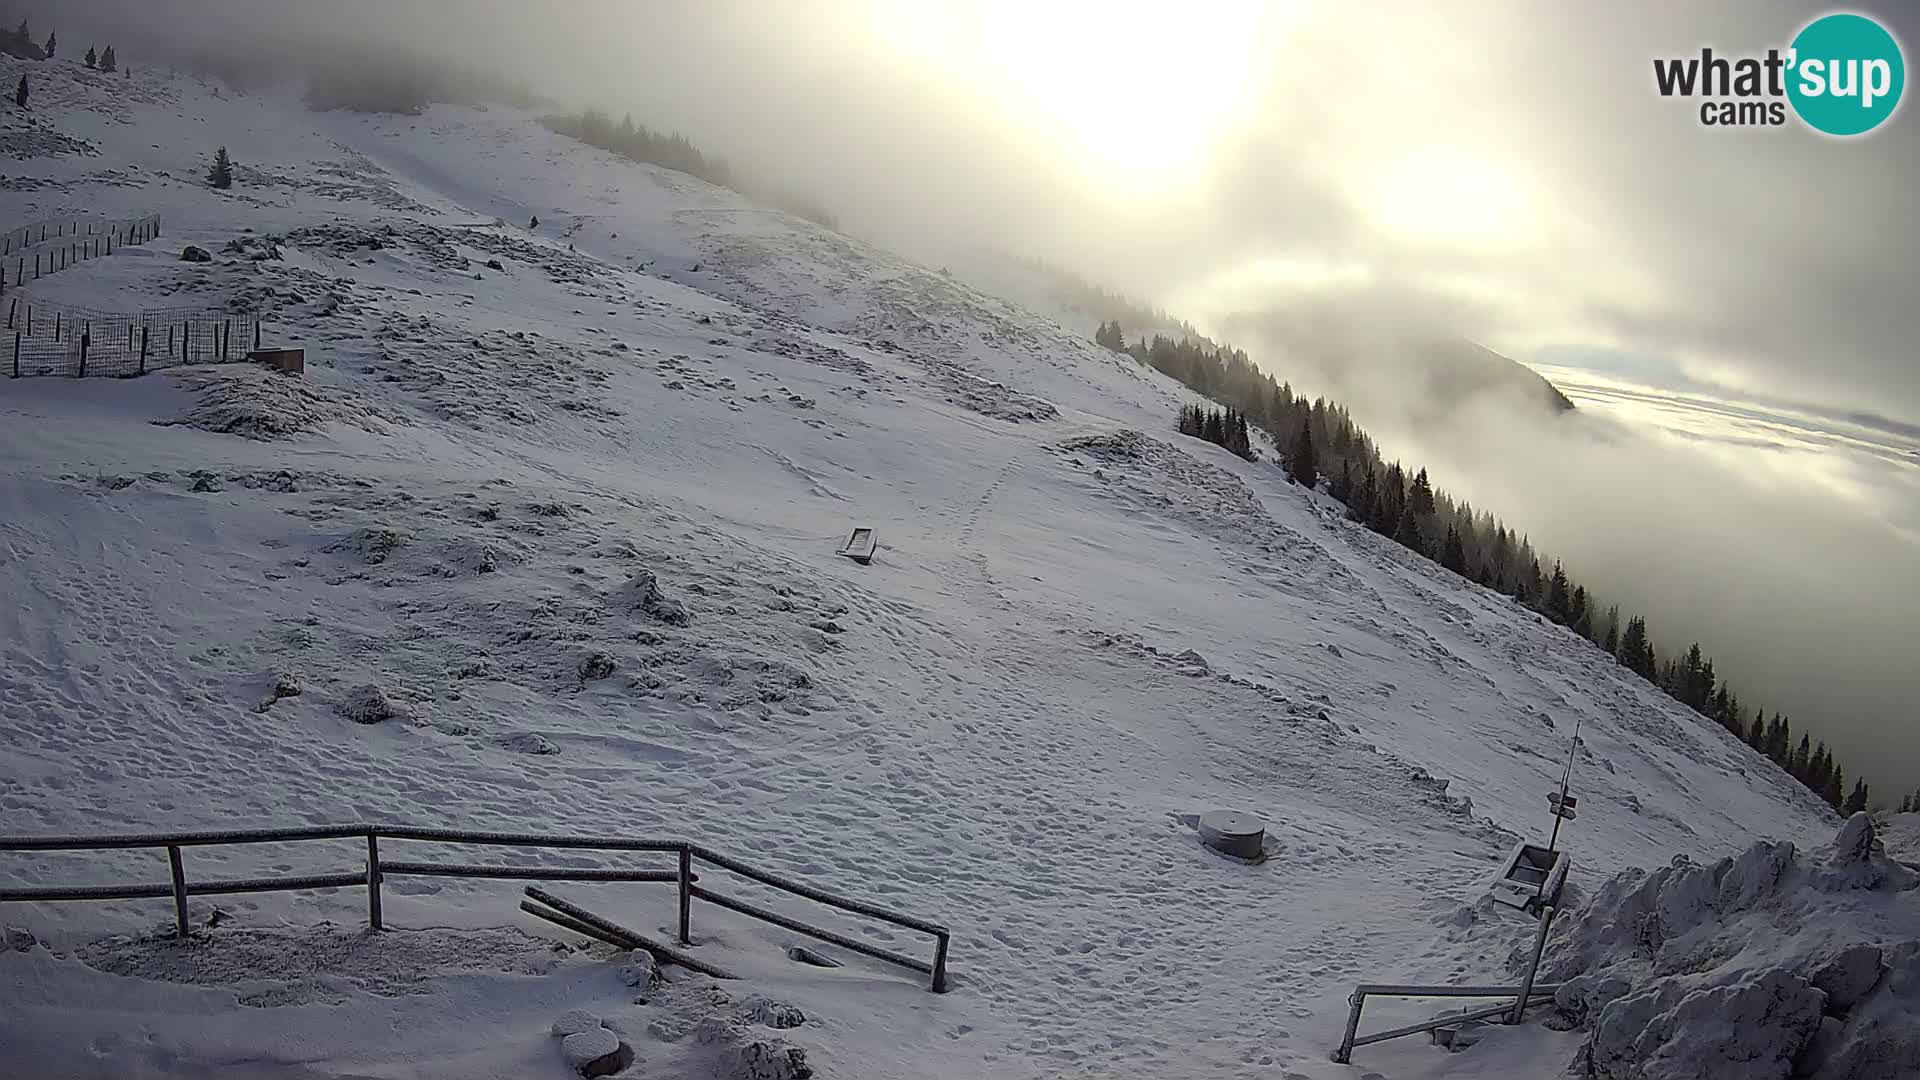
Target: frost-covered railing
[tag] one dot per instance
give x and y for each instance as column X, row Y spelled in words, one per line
column 1525, row 996
column 375, row 869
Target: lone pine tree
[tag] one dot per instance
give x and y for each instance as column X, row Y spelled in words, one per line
column 221, row 174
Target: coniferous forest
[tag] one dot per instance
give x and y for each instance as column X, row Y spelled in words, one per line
column 1318, row 442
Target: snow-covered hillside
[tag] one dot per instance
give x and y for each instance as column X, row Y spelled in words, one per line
column 1079, row 628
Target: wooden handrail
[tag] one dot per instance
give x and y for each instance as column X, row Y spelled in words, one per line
column 377, row 868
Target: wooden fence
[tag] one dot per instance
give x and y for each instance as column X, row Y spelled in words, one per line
column 375, row 869
column 64, row 340
column 48, row 247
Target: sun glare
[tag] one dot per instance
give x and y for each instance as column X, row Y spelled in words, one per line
column 1448, row 196
column 1138, row 91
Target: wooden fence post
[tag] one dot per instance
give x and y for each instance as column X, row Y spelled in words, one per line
column 179, row 888
column 226, row 339
column 143, row 349
column 56, row 326
column 686, row 894
column 256, row 334
column 86, row 338
column 373, row 880
column 16, row 354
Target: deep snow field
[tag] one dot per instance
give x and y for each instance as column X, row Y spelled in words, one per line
column 1079, row 627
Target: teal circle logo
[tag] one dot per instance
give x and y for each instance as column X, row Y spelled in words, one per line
column 1845, row 74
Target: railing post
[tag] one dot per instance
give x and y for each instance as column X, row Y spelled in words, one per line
column 179, row 888
column 143, row 349
column 686, row 894
column 1344, row 1054
column 373, row 879
column 16, row 354
column 256, row 335
column 940, row 965
column 86, row 338
column 1526, row 984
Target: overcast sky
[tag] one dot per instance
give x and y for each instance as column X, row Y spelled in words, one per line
column 1733, row 303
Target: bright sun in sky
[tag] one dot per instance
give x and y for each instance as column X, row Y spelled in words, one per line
column 1138, row 91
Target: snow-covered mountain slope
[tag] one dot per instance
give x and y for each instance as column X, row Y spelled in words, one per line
column 1080, row 627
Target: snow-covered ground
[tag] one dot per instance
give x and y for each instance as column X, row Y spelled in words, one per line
column 1079, row 628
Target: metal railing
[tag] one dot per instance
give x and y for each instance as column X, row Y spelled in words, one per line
column 376, row 869
column 1525, row 996
column 1539, row 995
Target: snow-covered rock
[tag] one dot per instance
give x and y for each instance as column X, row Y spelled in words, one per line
column 1764, row 965
column 575, row 1021
column 745, row 1055
column 589, row 1046
column 641, row 592
column 596, row 1052
column 1858, row 860
column 639, row 971
column 774, row 1014
column 370, row 704
column 1752, row 1027
column 1847, row 976
column 285, row 685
